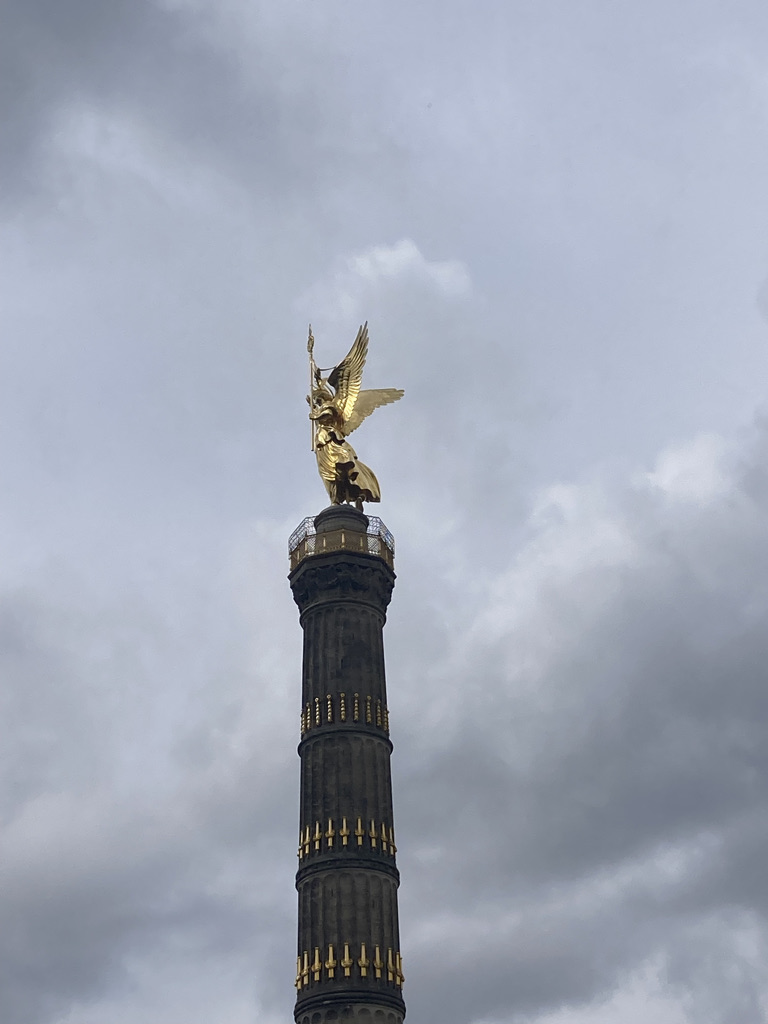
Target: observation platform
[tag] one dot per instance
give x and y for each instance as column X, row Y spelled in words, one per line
column 341, row 528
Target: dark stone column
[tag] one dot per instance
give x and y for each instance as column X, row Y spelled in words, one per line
column 349, row 965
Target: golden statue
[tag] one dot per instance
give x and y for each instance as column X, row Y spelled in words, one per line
column 337, row 406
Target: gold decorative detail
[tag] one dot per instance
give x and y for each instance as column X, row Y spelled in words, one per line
column 386, row 720
column 399, row 970
column 378, row 713
column 303, row 730
column 378, row 963
column 308, row 718
column 313, row 839
column 317, row 711
column 329, row 702
column 317, row 965
column 368, row 714
column 330, row 963
column 343, row 707
column 305, row 969
column 347, row 962
column 297, row 983
column 337, row 406
column 363, row 963
column 390, row 966
column 356, row 712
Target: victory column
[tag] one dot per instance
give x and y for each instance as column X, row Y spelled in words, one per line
column 349, row 964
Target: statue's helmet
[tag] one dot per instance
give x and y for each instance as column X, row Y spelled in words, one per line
column 322, row 394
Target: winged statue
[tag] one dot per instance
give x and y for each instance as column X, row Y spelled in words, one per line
column 337, row 406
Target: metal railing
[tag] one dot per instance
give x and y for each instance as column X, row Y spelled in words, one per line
column 306, row 541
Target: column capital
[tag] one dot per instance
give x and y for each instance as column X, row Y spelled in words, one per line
column 342, row 576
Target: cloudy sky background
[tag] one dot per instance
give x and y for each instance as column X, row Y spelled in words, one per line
column 554, row 216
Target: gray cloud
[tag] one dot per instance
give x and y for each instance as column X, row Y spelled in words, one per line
column 599, row 797
column 549, row 219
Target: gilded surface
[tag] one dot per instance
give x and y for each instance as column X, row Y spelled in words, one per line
column 394, row 965
column 337, row 406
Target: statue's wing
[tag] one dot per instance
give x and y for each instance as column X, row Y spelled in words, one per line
column 348, row 375
column 367, row 401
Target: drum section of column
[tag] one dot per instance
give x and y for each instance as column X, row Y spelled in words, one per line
column 348, row 955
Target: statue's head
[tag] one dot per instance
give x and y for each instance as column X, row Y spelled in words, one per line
column 322, row 394
column 324, row 413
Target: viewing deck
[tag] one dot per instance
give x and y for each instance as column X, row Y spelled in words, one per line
column 306, row 541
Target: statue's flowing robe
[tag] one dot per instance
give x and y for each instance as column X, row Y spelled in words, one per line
column 346, row 478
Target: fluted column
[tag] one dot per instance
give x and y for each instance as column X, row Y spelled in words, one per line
column 349, row 965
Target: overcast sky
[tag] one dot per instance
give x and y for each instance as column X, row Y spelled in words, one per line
column 554, row 216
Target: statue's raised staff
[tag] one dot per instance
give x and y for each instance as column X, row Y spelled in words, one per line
column 337, row 406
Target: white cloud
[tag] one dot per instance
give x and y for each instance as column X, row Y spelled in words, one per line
column 382, row 262
column 692, row 471
column 576, row 654
column 358, row 279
